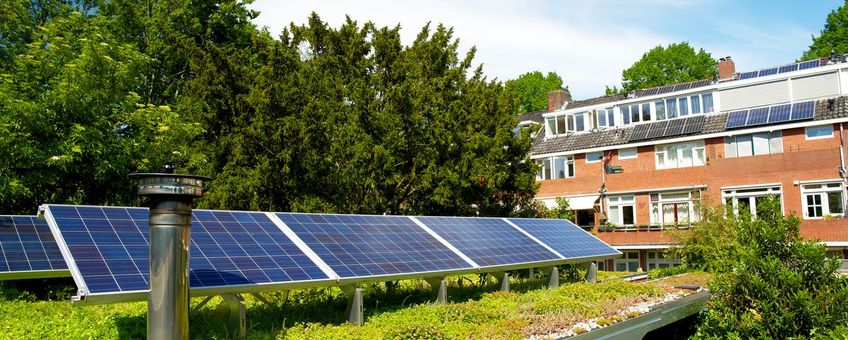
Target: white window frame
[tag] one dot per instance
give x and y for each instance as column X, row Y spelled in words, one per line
column 732, row 144
column 621, row 153
column 818, row 127
column 656, row 259
column 619, row 202
column 692, row 200
column 750, row 194
column 822, row 189
column 663, row 159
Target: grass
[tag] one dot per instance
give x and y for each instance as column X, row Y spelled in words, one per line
column 401, row 310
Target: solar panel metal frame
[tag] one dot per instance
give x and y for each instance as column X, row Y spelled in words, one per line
column 665, row 89
column 650, row 92
column 84, row 297
column 657, row 130
column 640, row 132
column 767, row 72
column 736, row 119
column 809, row 64
column 805, row 110
column 777, row 112
column 694, row 124
column 31, row 274
column 748, row 75
column 615, row 252
column 788, row 68
column 758, row 116
column 675, row 127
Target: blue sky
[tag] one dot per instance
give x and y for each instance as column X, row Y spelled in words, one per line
column 588, row 43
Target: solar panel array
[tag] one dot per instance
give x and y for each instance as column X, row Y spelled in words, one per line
column 771, row 114
column 107, row 248
column 668, row 128
column 781, row 69
column 28, row 250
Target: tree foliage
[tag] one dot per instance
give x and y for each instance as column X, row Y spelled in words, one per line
column 834, row 36
column 672, row 64
column 531, row 90
column 775, row 284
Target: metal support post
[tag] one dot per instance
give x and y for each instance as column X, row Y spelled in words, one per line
column 531, row 274
column 553, row 283
column 439, row 283
column 504, row 282
column 355, row 308
column 237, row 320
column 592, row 273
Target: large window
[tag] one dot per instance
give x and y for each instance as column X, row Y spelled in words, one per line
column 594, row 157
column 555, row 167
column 675, row 208
column 762, row 143
column 680, row 155
column 818, row 132
column 622, row 210
column 627, row 153
column 658, row 260
column 606, row 117
column 823, row 200
column 748, row 199
column 629, row 262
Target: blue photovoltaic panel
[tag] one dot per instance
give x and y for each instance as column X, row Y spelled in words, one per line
column 768, row 72
column 809, row 64
column 26, row 245
column 757, row 116
column 748, row 75
column 803, row 110
column 788, row 68
column 563, row 236
column 362, row 245
column 109, row 246
column 675, row 127
column 736, row 119
column 488, row 241
column 779, row 113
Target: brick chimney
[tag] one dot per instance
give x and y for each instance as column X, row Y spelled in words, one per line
column 726, row 68
column 557, row 98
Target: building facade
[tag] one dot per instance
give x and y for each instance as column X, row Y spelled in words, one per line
column 633, row 166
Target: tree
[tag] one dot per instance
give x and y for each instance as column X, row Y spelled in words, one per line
column 531, row 90
column 834, row 36
column 660, row 66
column 774, row 284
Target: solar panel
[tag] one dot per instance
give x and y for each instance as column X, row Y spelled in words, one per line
column 779, row 113
column 657, row 129
column 640, row 132
column 788, row 68
column 748, row 75
column 109, row 248
column 803, row 110
column 681, row 87
column 665, row 89
column 675, row 127
column 28, row 250
column 693, row 124
column 649, row 92
column 757, row 116
column 809, row 64
column 736, row 119
column 361, row 246
column 564, row 237
column 768, row 72
column 488, row 241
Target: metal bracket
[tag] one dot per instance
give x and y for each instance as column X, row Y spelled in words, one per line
column 236, row 321
column 355, row 308
column 439, row 283
column 201, row 304
column 263, row 299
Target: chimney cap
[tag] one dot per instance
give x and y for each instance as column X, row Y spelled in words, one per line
column 727, row 57
column 169, row 184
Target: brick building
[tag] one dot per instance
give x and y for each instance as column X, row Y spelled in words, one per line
column 635, row 165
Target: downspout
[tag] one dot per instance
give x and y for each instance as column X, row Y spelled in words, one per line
column 842, row 171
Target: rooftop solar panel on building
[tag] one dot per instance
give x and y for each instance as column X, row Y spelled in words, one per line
column 657, row 129
column 779, row 113
column 362, row 246
column 788, row 68
column 489, row 242
column 564, row 237
column 767, row 72
column 665, row 89
column 28, row 250
column 640, row 132
column 809, row 64
column 675, row 127
column 803, row 110
column 649, row 92
column 757, row 116
column 693, row 124
column 681, row 87
column 737, row 119
column 109, row 249
column 748, row 75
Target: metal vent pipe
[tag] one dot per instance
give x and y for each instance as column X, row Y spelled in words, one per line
column 170, row 225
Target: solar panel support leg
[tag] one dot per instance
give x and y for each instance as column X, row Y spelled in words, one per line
column 236, row 321
column 354, row 309
column 442, row 295
column 503, row 280
column 263, row 299
column 531, row 274
column 553, row 283
column 592, row 273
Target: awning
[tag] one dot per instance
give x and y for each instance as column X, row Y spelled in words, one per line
column 582, row 202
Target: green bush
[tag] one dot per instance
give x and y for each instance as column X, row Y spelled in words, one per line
column 663, row 272
column 416, row 331
column 776, row 285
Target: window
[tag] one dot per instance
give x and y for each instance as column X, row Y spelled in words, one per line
column 675, row 208
column 696, row 104
column 658, row 260
column 622, row 210
column 818, row 132
column 593, row 157
column 629, row 262
column 646, row 112
column 708, row 102
column 747, row 200
column 823, row 200
column 610, row 117
column 627, row 153
column 625, row 114
column 563, row 166
column 545, row 169
column 684, row 106
column 602, row 118
column 580, row 123
column 634, row 113
column 680, row 155
column 660, row 107
column 762, row 143
column 671, row 106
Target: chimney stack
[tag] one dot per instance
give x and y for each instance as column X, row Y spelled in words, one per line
column 557, row 98
column 726, row 68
